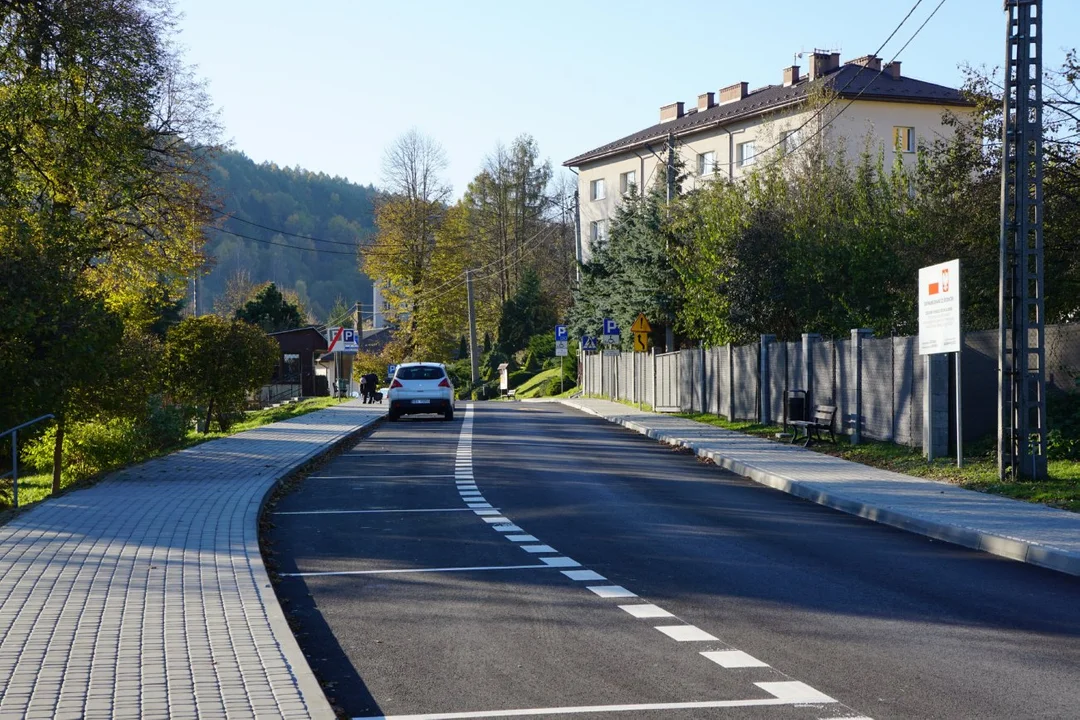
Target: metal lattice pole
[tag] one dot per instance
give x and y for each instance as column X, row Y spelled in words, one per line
column 1022, row 341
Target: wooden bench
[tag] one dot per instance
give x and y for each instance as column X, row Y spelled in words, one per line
column 822, row 420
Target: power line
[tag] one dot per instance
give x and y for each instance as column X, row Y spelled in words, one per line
column 854, row 77
column 867, row 85
column 285, row 245
column 279, row 231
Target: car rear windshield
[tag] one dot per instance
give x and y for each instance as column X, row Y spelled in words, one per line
column 420, row 372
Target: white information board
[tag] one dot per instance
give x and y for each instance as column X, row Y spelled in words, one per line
column 939, row 308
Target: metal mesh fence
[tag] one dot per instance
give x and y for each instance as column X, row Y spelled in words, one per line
column 878, row 377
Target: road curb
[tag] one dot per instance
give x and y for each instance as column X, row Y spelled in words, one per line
column 311, row 691
column 1012, row 548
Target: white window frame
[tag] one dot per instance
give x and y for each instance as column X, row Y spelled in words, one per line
column 904, row 138
column 741, row 158
column 706, row 163
column 597, row 189
column 790, row 140
column 627, row 180
column 597, row 231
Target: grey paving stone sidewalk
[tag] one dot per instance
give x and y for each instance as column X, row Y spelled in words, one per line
column 145, row 595
column 1010, row 528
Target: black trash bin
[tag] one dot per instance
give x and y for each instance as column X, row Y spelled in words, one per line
column 794, row 406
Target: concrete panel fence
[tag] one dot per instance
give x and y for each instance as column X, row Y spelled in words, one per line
column 876, row 384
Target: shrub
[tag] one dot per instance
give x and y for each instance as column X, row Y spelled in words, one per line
column 89, row 448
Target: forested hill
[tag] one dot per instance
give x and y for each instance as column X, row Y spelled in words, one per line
column 296, row 201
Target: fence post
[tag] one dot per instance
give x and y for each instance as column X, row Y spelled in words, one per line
column 857, row 335
column 730, row 349
column 703, row 404
column 808, row 341
column 764, row 381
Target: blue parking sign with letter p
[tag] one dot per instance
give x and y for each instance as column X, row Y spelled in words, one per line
column 562, row 334
column 610, row 327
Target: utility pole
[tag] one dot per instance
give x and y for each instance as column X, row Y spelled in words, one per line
column 670, row 167
column 577, row 234
column 1022, row 333
column 669, row 332
column 358, row 317
column 474, row 358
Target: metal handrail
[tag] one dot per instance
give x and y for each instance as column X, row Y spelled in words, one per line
column 14, row 472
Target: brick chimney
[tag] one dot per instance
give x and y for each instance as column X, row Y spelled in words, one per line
column 821, row 64
column 791, row 75
column 870, row 62
column 732, row 93
column 674, row 111
column 705, row 101
column 893, row 69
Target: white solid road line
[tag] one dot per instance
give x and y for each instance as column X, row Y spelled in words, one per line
column 783, row 693
column 362, row 512
column 402, row 571
column 376, row 477
column 734, row 659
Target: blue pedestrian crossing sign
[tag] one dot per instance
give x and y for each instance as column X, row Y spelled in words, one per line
column 562, row 334
column 588, row 343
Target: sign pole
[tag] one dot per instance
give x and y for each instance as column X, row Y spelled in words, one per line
column 959, row 410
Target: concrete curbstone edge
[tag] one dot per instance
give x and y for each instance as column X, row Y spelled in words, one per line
column 1011, row 548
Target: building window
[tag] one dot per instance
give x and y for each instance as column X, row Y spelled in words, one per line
column 597, row 190
column 626, row 181
column 904, row 139
column 292, row 368
column 597, row 231
column 745, row 154
column 706, row 163
column 790, row 141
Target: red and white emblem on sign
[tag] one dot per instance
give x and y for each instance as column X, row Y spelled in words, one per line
column 945, row 280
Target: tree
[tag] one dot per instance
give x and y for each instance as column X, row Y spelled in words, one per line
column 104, row 136
column 212, row 363
column 631, row 272
column 408, row 219
column 525, row 314
column 239, row 289
column 270, row 311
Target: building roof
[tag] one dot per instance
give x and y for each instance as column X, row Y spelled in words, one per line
column 848, row 81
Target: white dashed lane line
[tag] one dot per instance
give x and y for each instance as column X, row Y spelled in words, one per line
column 786, row 693
column 734, row 659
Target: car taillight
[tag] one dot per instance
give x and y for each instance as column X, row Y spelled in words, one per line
column 395, row 384
column 445, row 382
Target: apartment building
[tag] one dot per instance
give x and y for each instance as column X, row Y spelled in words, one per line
column 734, row 130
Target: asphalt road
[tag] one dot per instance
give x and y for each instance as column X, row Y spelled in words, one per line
column 621, row 579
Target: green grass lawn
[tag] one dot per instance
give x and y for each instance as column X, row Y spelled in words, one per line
column 532, row 387
column 1060, row 490
column 38, row 486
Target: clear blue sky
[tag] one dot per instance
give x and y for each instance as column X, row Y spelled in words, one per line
column 329, row 83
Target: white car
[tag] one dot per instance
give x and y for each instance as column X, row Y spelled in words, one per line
column 421, row 388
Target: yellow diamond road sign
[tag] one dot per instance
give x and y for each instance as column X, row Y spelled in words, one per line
column 641, row 325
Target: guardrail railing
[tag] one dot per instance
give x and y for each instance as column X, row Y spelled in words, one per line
column 14, row 472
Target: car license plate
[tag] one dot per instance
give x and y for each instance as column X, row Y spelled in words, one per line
column 421, row 402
